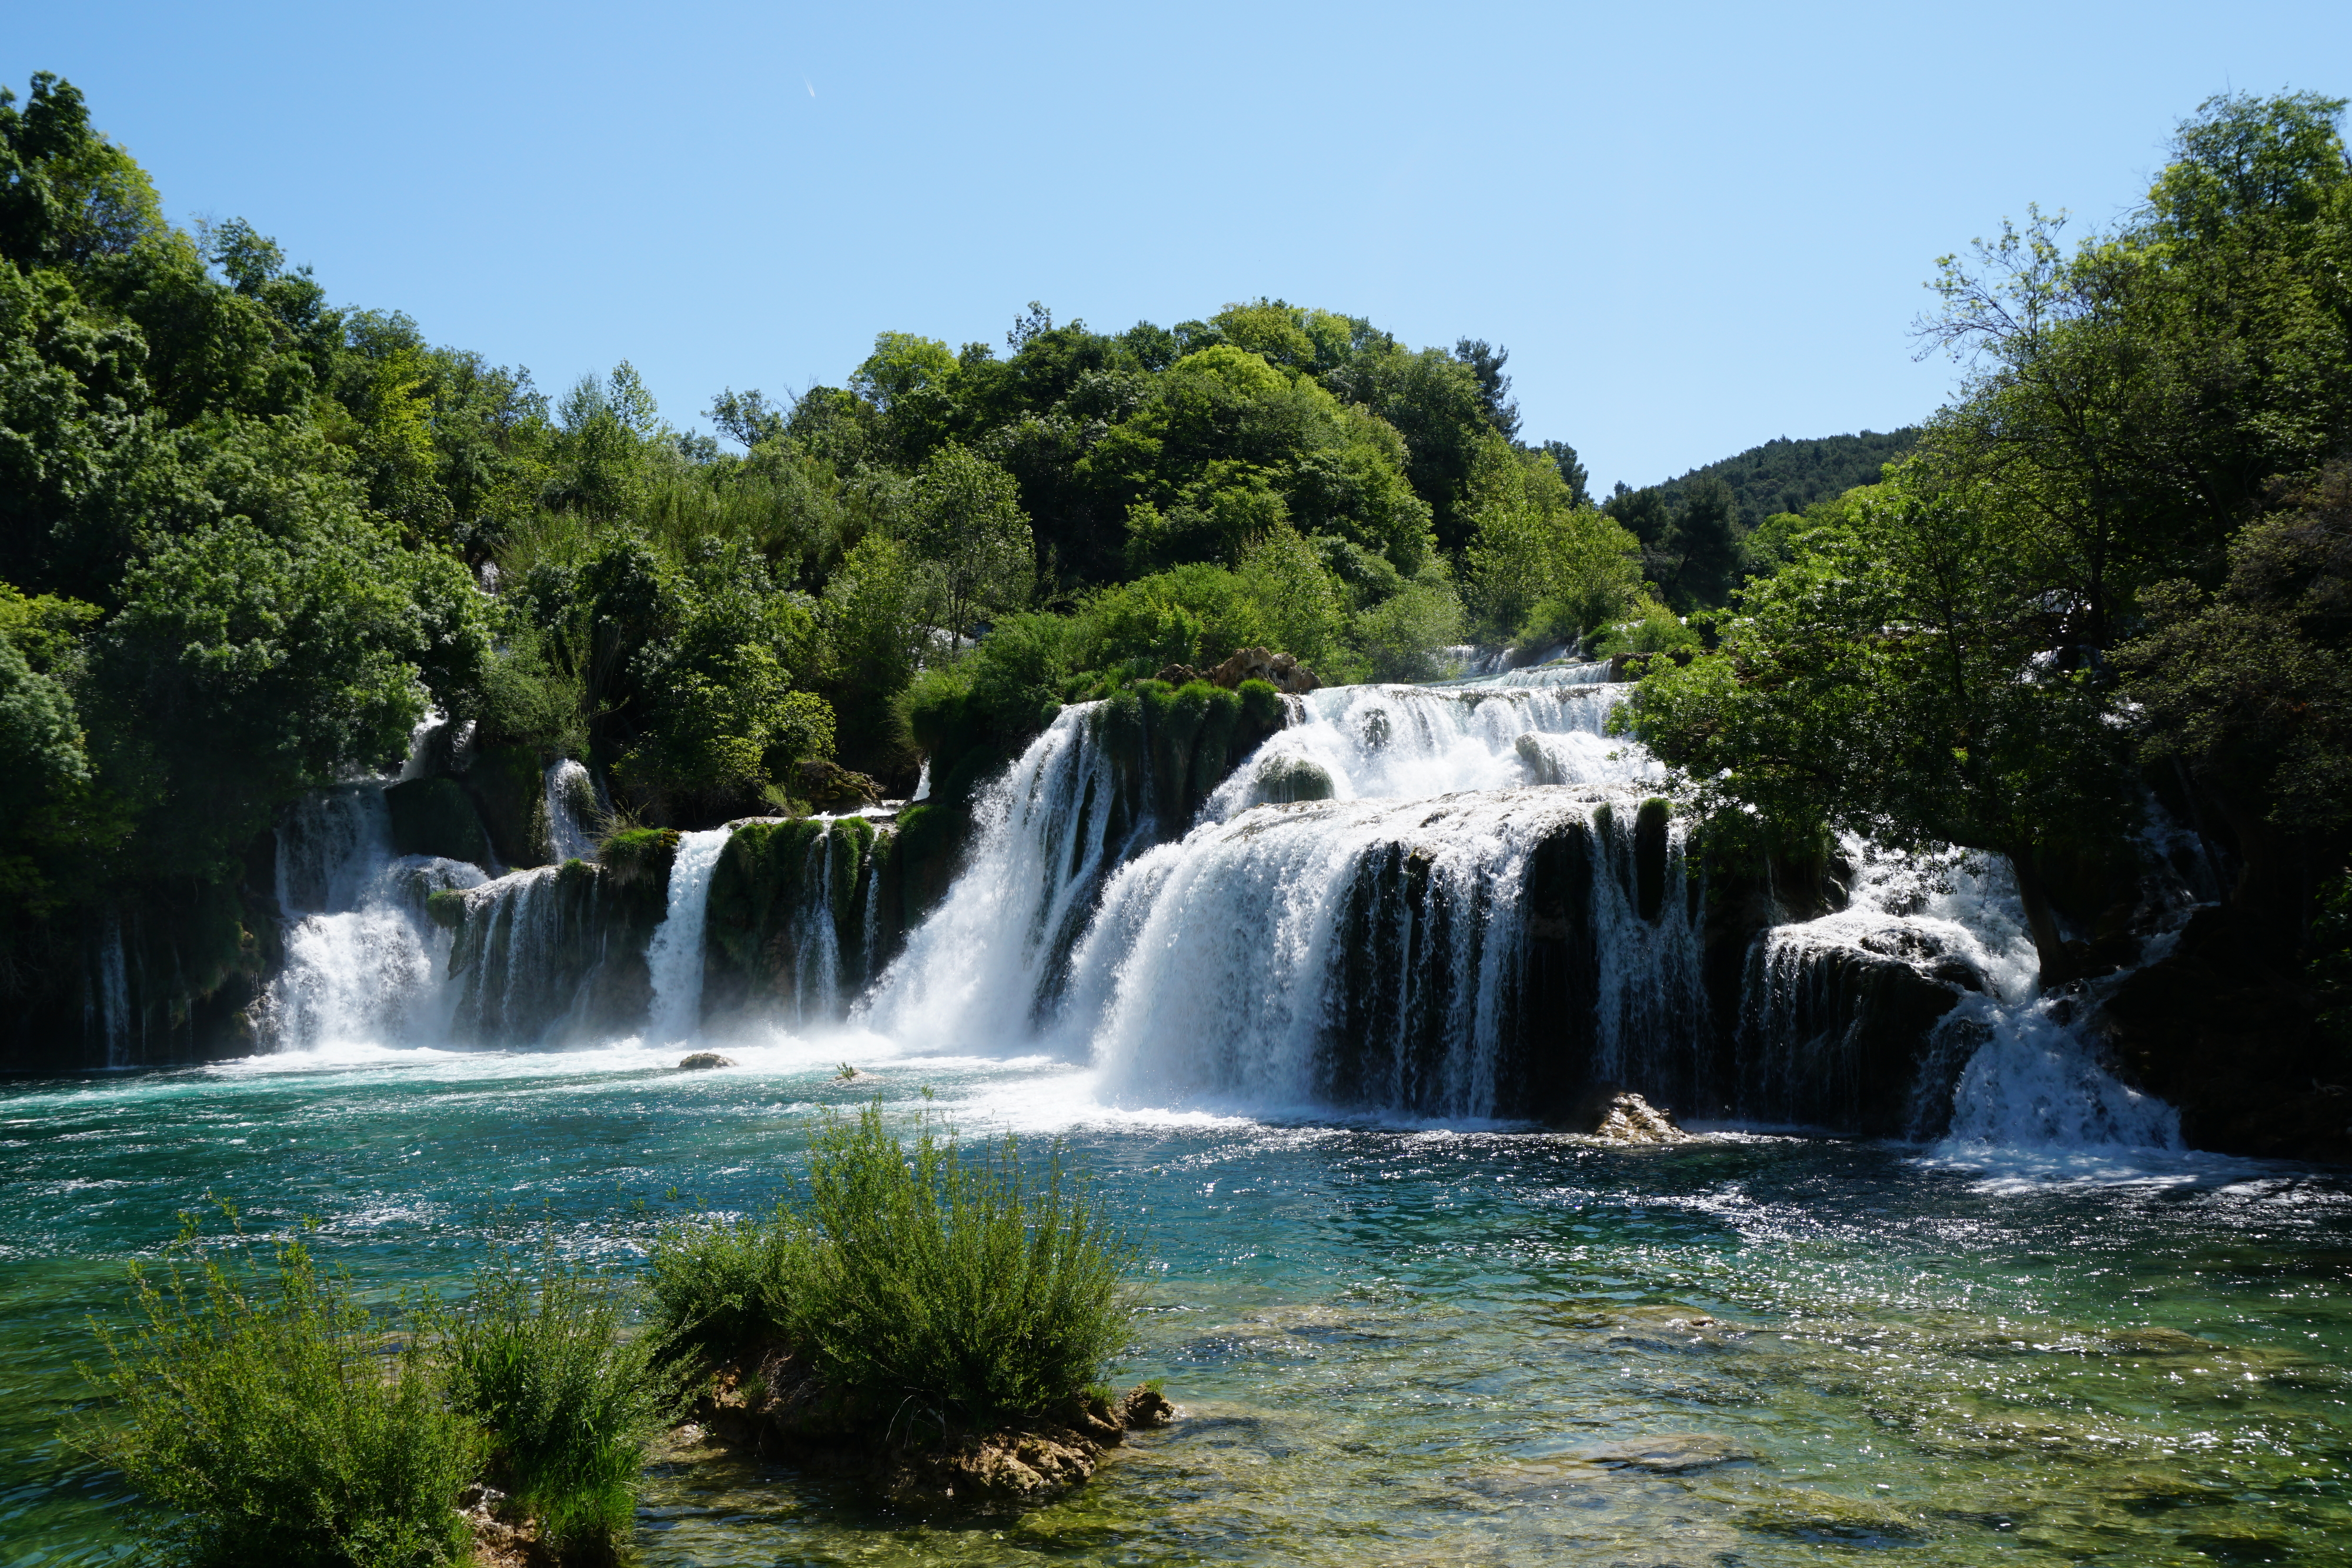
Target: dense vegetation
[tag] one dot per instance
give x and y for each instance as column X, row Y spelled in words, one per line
column 2116, row 561
column 248, row 539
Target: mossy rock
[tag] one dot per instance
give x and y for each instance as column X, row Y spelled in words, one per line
column 829, row 787
column 445, row 909
column 434, row 817
column 1283, row 780
column 639, row 857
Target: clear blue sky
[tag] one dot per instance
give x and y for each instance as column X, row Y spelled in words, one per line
column 1695, row 227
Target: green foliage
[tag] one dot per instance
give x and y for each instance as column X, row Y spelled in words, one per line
column 1895, row 680
column 66, row 193
column 1398, row 637
column 1656, row 630
column 570, row 1397
column 1786, row 476
column 247, row 666
column 975, row 1288
column 965, row 518
column 2251, row 685
column 1541, row 573
column 264, row 1416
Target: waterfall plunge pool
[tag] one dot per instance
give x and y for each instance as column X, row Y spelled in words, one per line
column 1393, row 1343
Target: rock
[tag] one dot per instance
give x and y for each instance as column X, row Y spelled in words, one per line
column 1180, row 676
column 829, row 787
column 1283, row 672
column 1669, row 1454
column 434, row 817
column 1282, row 781
column 999, row 1472
column 1620, row 1116
column 1144, row 1406
column 2225, row 1026
column 502, row 1541
column 702, row 1059
column 1650, row 842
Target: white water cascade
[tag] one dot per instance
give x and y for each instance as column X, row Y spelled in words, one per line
column 361, row 958
column 675, row 956
column 1362, row 871
column 566, row 794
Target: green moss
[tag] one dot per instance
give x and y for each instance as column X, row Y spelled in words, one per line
column 445, row 909
column 1262, row 707
column 638, row 855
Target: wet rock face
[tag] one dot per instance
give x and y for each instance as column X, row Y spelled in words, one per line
column 1836, row 1035
column 2223, row 1027
column 1284, row 672
column 551, row 954
column 434, row 817
column 829, row 787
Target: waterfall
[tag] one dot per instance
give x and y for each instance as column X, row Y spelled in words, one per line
column 330, row 845
column 360, row 953
column 816, row 965
column 980, row 966
column 2034, row 1082
column 566, row 793
column 114, row 995
column 1374, row 953
column 1417, row 742
column 675, row 956
column 1348, row 921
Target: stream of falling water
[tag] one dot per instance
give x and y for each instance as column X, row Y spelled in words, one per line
column 675, row 956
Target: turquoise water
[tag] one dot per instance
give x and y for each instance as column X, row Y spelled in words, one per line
column 1391, row 1343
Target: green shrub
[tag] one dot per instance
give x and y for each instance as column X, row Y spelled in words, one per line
column 976, row 1287
column 570, row 1399
column 1657, row 630
column 263, row 1416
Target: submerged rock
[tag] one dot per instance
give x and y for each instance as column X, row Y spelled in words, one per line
column 1285, row 780
column 1670, row 1453
column 702, row 1059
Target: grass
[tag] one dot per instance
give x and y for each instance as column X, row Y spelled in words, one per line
column 569, row 1398
column 915, row 1278
column 263, row 1415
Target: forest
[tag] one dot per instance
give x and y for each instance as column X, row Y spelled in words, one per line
column 252, row 538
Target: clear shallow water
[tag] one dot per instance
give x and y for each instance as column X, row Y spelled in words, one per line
column 1393, row 1344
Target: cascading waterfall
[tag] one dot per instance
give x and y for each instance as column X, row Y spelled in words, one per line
column 113, row 998
column 675, row 955
column 1348, row 921
column 361, row 954
column 979, row 969
column 1374, row 953
column 1455, row 900
column 816, row 967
